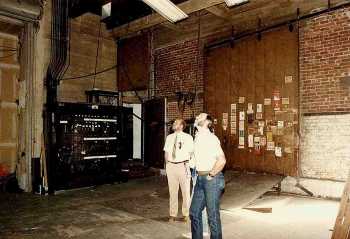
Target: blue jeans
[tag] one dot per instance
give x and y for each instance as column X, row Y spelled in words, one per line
column 207, row 194
column 204, row 212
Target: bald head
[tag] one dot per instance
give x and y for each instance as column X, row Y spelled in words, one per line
column 179, row 125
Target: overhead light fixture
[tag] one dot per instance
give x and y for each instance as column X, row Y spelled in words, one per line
column 167, row 9
column 232, row 3
column 106, row 10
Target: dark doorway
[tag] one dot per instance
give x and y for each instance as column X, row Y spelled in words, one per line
column 155, row 125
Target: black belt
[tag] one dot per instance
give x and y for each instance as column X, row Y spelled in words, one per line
column 186, row 161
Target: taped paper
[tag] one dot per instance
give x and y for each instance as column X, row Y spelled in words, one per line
column 269, row 136
column 278, row 151
column 233, row 127
column 250, row 108
column 233, row 119
column 233, row 109
column 261, row 130
column 280, row 124
column 288, row 79
column 288, row 150
column 242, row 115
column 270, row 146
column 241, row 99
column 259, row 116
column 241, row 135
column 241, row 125
column 257, row 139
column 285, row 101
column 276, row 100
column 263, row 141
column 261, row 123
column 250, row 141
column 259, row 108
column 267, row 101
column 241, row 142
column 224, row 121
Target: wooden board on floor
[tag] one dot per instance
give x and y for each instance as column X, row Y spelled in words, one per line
column 242, row 188
column 342, row 223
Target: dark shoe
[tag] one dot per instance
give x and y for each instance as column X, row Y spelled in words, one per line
column 172, row 219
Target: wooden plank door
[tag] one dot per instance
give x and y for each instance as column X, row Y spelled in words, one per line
column 154, row 126
column 9, row 74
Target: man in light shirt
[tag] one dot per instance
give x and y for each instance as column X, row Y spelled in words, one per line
column 178, row 149
column 209, row 161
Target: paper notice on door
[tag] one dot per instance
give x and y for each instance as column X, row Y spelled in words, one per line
column 241, row 115
column 280, row 124
column 285, row 101
column 269, row 136
column 250, row 141
column 267, row 101
column 270, row 146
column 288, row 79
column 278, row 151
column 224, row 121
column 259, row 108
column 233, row 127
column 259, row 116
column 250, row 108
column 288, row 150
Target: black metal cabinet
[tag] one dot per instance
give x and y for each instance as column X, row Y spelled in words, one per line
column 91, row 144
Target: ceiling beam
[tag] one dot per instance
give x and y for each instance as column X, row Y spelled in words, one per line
column 220, row 11
column 171, row 26
column 188, row 7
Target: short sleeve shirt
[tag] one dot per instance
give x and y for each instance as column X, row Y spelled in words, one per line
column 183, row 147
column 207, row 149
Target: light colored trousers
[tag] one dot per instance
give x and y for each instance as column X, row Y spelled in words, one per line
column 179, row 175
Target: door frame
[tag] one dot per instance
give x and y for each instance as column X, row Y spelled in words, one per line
column 29, row 145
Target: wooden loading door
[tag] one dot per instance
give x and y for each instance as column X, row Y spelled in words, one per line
column 9, row 73
column 255, row 69
column 154, row 128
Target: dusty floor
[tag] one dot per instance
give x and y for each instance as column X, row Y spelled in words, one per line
column 138, row 210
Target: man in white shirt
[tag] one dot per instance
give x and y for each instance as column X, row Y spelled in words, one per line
column 209, row 161
column 178, row 149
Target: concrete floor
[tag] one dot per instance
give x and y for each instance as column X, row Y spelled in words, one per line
column 139, row 210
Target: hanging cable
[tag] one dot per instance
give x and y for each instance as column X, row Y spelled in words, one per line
column 198, row 54
column 91, row 74
column 97, row 53
column 132, row 86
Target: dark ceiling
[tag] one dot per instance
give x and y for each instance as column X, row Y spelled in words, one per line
column 123, row 11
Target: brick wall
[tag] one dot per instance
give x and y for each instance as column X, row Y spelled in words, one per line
column 176, row 69
column 324, row 59
column 325, row 146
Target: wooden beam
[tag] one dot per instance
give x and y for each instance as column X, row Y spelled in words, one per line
column 342, row 223
column 220, row 11
column 172, row 26
column 188, row 7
